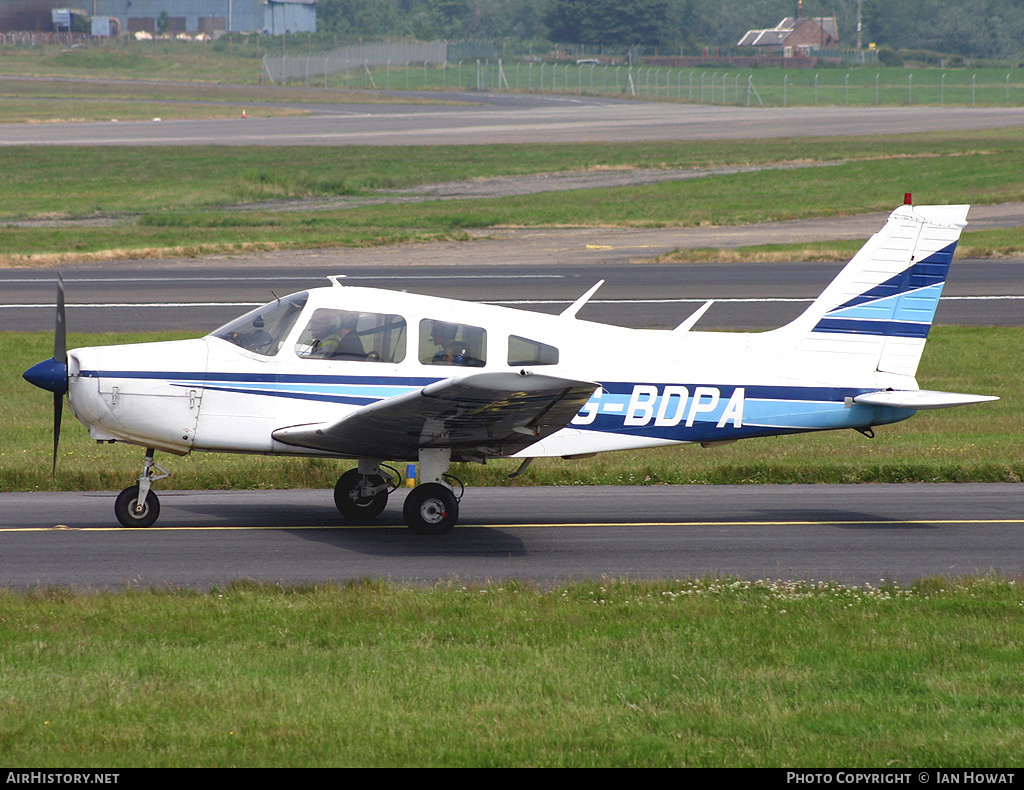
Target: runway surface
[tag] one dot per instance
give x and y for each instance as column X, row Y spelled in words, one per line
column 852, row 534
column 516, row 118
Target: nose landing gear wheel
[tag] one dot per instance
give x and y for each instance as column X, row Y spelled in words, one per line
column 350, row 500
column 130, row 514
column 431, row 509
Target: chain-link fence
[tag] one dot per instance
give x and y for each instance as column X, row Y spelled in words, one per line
column 370, row 59
column 436, row 66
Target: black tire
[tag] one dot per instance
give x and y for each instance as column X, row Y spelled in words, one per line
column 124, row 508
column 431, row 509
column 351, row 505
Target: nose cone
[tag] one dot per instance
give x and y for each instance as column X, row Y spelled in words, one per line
column 49, row 375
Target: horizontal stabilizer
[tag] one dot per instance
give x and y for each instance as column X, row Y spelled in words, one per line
column 920, row 399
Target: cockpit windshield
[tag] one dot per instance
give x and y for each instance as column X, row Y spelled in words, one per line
column 264, row 329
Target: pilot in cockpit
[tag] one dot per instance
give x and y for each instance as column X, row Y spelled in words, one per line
column 331, row 334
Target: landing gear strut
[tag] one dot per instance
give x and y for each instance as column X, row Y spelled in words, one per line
column 362, row 493
column 432, row 508
column 137, row 505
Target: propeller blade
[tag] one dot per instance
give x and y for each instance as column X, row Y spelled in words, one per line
column 60, row 353
column 60, row 335
column 58, row 411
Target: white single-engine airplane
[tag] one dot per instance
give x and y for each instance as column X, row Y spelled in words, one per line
column 375, row 376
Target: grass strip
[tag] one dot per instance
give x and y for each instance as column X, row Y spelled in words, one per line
column 999, row 243
column 178, row 202
column 229, row 62
column 117, row 111
column 684, row 673
column 116, row 179
column 238, row 59
column 981, row 443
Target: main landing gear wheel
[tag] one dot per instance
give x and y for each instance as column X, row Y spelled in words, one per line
column 431, row 509
column 131, row 514
column 351, row 500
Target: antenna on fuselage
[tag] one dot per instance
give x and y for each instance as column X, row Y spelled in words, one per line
column 687, row 325
column 571, row 310
column 336, row 279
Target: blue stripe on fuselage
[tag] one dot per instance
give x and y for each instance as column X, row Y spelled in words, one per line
column 694, row 413
column 204, row 377
column 351, row 390
column 655, row 410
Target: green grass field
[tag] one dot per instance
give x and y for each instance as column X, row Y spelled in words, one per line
column 238, row 60
column 231, row 61
column 172, row 203
column 114, row 179
column 674, row 673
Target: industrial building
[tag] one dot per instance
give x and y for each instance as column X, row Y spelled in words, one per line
column 170, row 17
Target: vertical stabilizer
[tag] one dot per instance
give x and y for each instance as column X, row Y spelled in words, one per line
column 879, row 309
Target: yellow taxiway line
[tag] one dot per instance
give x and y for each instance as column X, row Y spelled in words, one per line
column 539, row 525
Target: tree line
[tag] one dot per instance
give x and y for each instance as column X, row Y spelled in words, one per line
column 969, row 28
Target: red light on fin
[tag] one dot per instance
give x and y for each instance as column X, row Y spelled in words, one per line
column 907, row 199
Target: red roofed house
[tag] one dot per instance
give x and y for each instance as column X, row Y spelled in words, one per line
column 795, row 33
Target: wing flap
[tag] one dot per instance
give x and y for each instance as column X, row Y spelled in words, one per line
column 479, row 415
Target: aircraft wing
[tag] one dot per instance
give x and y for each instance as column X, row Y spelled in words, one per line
column 477, row 416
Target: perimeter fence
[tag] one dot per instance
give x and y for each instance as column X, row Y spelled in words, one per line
column 363, row 65
column 432, row 66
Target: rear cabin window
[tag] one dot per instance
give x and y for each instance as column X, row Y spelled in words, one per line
column 523, row 351
column 352, row 336
column 447, row 343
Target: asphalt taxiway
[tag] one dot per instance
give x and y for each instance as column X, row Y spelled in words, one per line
column 856, row 534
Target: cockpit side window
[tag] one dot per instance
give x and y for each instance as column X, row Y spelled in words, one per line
column 352, row 336
column 447, row 343
column 523, row 351
column 264, row 329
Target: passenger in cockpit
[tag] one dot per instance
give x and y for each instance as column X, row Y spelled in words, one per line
column 449, row 352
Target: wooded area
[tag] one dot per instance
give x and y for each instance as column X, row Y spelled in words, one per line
column 985, row 29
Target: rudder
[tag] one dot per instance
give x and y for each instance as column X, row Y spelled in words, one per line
column 877, row 312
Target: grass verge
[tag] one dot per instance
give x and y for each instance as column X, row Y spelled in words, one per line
column 186, row 201
column 602, row 673
column 999, row 243
column 983, row 443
